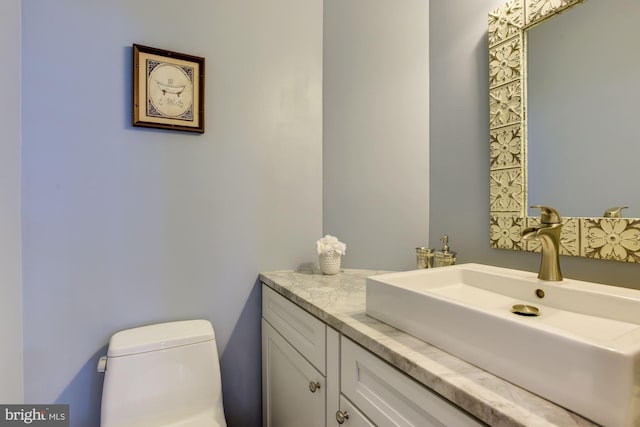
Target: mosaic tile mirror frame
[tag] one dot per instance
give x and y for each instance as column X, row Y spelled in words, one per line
column 599, row 238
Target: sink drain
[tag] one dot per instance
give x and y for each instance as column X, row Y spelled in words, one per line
column 525, row 310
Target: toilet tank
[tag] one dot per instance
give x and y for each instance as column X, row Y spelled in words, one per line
column 161, row 375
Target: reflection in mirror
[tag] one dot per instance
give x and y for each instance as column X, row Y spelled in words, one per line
column 583, row 106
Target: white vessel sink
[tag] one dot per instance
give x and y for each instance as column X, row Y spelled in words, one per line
column 582, row 351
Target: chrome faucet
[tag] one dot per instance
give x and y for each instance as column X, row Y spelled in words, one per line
column 549, row 236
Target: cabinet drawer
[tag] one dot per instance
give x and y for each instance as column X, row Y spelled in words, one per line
column 303, row 331
column 389, row 397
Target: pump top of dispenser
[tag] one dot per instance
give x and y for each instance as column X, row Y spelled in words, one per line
column 445, row 256
column 445, row 243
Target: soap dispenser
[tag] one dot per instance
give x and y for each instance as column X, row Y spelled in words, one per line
column 444, row 257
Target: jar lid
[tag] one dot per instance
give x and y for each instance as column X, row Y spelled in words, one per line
column 424, row 251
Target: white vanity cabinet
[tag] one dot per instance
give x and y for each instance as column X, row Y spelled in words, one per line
column 314, row 376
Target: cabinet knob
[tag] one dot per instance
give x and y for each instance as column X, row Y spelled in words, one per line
column 342, row 416
column 313, row 386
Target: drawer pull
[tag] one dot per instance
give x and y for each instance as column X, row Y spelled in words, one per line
column 313, row 386
column 342, row 416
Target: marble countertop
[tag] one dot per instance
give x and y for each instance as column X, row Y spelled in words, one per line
column 339, row 301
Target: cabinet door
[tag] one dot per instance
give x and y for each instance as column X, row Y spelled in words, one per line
column 293, row 391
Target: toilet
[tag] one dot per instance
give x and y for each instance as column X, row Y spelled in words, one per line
column 163, row 375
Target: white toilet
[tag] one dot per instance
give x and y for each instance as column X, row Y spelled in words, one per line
column 164, row 375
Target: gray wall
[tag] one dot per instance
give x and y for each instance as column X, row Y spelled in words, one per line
column 459, row 193
column 11, row 390
column 127, row 226
column 376, row 129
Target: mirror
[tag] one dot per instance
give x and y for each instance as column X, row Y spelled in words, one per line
column 582, row 105
column 517, row 104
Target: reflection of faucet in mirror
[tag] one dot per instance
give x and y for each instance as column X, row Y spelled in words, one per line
column 614, row 212
column 548, row 234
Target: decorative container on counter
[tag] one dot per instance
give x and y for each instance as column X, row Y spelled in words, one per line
column 330, row 251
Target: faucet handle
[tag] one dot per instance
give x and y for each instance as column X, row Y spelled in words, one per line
column 548, row 215
column 614, row 212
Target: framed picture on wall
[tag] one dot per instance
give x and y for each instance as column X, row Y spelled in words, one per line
column 168, row 89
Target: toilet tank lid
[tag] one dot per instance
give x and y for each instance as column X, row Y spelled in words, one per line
column 159, row 336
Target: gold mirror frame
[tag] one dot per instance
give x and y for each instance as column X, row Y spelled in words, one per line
column 600, row 238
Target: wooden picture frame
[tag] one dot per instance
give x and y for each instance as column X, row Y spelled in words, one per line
column 168, row 90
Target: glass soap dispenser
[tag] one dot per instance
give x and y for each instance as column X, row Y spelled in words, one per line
column 444, row 257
